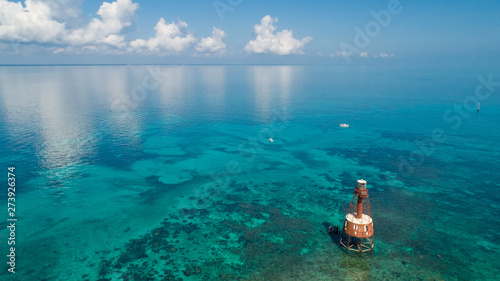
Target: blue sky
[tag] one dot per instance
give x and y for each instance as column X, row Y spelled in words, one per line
column 247, row 31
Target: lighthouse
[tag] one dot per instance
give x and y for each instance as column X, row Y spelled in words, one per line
column 357, row 232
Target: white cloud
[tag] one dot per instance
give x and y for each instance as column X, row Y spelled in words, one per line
column 121, row 11
column 339, row 54
column 281, row 43
column 383, row 55
column 170, row 39
column 115, row 17
column 362, row 54
column 36, row 23
column 30, row 24
column 214, row 44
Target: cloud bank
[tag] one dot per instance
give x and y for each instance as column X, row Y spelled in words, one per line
column 44, row 22
column 280, row 43
column 362, row 54
column 55, row 25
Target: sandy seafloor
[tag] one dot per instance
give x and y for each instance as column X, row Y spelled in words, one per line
column 184, row 185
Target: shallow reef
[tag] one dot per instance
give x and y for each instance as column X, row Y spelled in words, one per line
column 276, row 230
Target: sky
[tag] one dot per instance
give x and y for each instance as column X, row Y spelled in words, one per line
column 248, row 31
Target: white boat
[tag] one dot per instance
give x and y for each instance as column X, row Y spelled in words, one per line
column 344, row 125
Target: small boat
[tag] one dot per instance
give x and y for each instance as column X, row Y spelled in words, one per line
column 344, row 125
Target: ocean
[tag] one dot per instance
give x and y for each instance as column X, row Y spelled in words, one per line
column 138, row 172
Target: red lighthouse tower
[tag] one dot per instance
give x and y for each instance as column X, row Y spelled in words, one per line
column 357, row 233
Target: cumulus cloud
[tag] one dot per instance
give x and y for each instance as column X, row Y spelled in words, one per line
column 30, row 24
column 36, row 23
column 363, row 54
column 281, row 43
column 214, row 44
column 115, row 17
column 170, row 38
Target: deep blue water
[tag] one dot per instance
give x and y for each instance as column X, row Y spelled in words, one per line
column 166, row 172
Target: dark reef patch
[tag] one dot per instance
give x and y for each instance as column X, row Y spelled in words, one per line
column 231, row 238
column 389, row 159
column 308, row 159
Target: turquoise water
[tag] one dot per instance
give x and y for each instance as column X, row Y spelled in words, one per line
column 166, row 172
